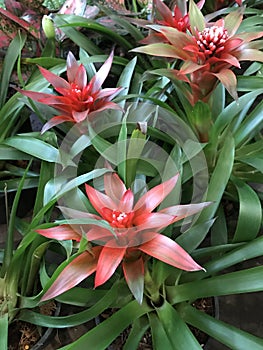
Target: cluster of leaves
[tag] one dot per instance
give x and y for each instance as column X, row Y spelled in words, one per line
column 149, row 127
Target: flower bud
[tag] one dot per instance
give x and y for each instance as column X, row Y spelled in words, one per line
column 48, row 27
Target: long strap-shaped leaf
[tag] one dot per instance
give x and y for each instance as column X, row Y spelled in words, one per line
column 251, row 126
column 159, row 337
column 250, row 212
column 3, row 331
column 231, row 111
column 216, row 187
column 35, row 147
column 176, row 330
column 139, row 327
column 10, row 59
column 231, row 336
column 110, row 329
column 77, row 37
column 75, row 319
column 245, row 281
column 247, row 251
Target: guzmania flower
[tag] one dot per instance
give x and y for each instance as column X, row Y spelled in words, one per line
column 135, row 239
column 176, row 18
column 78, row 99
column 208, row 52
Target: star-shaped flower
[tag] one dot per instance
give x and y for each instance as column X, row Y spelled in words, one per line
column 77, row 99
column 135, row 239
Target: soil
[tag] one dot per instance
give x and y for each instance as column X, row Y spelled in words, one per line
column 23, row 335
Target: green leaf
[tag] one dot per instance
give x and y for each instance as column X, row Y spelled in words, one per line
column 256, row 163
column 231, row 111
column 104, row 147
column 139, row 327
column 46, row 172
column 82, row 142
column 78, row 21
column 244, row 281
column 219, row 178
column 159, row 337
column 218, row 101
column 110, row 328
column 36, row 257
column 216, row 188
column 249, row 83
column 135, row 148
column 133, row 31
column 59, row 186
column 176, row 330
column 125, row 79
column 201, row 119
column 13, row 184
column 8, row 253
column 196, row 18
column 79, row 38
column 244, row 252
column 34, row 147
column 122, row 148
column 158, row 49
column 250, row 212
column 75, row 319
column 11, row 56
column 9, row 153
column 81, row 296
column 192, row 238
column 233, row 21
column 219, row 231
column 250, row 126
column 4, row 331
column 232, row 337
column 251, row 154
column 46, row 62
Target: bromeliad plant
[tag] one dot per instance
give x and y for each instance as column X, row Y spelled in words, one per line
column 120, row 230
column 204, row 55
column 207, row 51
column 131, row 238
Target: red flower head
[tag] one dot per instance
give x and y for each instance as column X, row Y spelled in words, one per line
column 78, row 99
column 175, row 18
column 135, row 237
column 208, row 52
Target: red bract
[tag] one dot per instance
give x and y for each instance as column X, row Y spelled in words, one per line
column 79, row 99
column 135, row 237
column 208, row 52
